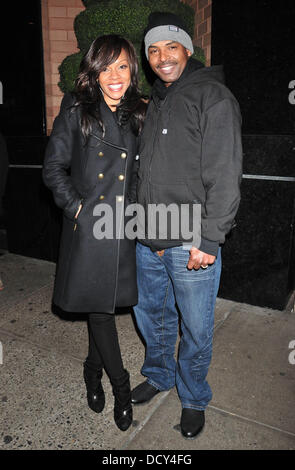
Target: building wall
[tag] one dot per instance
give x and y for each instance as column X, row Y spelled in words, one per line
column 202, row 34
column 59, row 41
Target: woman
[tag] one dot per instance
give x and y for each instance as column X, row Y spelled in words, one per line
column 90, row 162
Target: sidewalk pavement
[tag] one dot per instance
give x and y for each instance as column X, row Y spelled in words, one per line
column 42, row 395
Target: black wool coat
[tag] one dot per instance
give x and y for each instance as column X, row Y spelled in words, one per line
column 93, row 275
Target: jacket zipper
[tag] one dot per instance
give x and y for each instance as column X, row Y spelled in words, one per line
column 155, row 134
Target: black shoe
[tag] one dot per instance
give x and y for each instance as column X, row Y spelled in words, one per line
column 143, row 393
column 123, row 414
column 95, row 393
column 192, row 422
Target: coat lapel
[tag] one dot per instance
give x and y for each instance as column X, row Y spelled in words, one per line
column 113, row 135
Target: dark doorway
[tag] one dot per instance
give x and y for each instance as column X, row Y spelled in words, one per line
column 29, row 220
column 23, row 108
column 254, row 40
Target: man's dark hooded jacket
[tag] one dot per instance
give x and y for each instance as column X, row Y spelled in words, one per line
column 191, row 152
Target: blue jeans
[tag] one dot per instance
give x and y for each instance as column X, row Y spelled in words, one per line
column 168, row 291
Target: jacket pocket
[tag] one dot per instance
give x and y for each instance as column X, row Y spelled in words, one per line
column 170, row 212
column 177, row 193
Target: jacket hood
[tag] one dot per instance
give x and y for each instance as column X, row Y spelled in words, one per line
column 214, row 73
column 194, row 73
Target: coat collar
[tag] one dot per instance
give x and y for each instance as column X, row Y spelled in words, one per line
column 113, row 135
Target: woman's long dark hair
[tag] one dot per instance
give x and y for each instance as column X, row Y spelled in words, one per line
column 104, row 51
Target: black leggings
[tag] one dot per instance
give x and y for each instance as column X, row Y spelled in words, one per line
column 104, row 349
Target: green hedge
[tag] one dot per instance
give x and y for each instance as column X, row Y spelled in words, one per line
column 125, row 17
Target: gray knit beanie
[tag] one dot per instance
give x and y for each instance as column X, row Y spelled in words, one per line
column 164, row 27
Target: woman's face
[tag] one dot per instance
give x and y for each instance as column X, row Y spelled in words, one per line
column 115, row 79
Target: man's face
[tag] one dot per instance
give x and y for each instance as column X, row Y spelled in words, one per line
column 168, row 60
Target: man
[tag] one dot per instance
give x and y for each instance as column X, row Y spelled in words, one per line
column 190, row 153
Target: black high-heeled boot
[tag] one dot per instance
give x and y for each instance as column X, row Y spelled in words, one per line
column 123, row 413
column 95, row 393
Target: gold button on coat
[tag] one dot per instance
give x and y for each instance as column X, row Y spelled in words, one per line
column 123, row 155
column 101, row 197
column 100, row 176
column 121, row 177
column 100, row 154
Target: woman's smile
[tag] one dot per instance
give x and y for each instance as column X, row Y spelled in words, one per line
column 115, row 79
column 116, row 86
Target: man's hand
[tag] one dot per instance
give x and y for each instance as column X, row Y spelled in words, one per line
column 198, row 259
